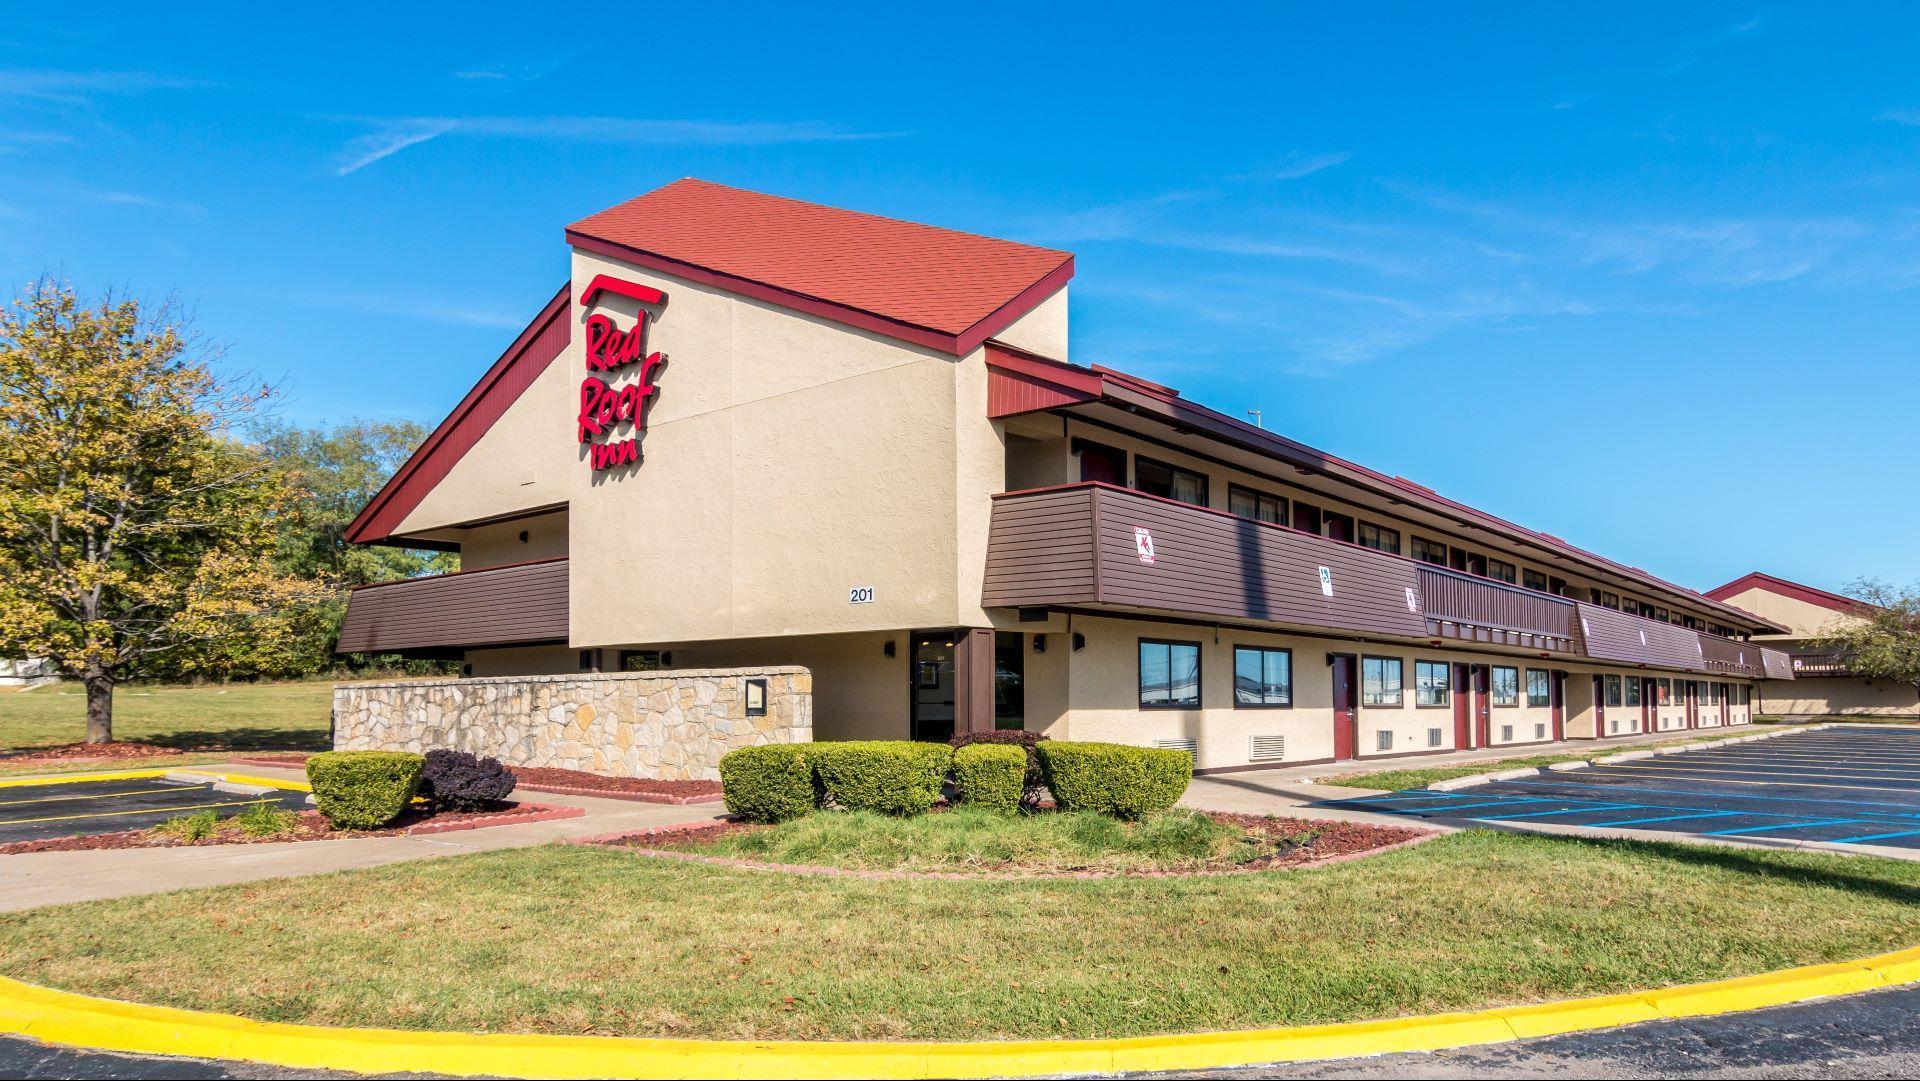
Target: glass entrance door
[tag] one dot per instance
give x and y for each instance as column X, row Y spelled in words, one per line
column 933, row 687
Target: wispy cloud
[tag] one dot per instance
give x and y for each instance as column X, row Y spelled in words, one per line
column 394, row 134
column 76, row 87
column 1296, row 166
column 13, row 141
column 139, row 201
column 1910, row 117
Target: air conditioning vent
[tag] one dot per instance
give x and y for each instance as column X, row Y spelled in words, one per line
column 1188, row 745
column 1266, row 748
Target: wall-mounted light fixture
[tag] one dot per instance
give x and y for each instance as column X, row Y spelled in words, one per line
column 1039, row 643
column 756, row 696
column 888, row 649
column 1079, row 641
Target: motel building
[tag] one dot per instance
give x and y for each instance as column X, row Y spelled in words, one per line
column 1822, row 685
column 755, row 440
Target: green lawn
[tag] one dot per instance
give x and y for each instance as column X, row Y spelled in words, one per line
column 576, row 939
column 968, row 839
column 1396, row 780
column 239, row 716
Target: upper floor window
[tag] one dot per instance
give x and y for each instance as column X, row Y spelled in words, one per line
column 1380, row 537
column 1162, row 479
column 1533, row 579
column 1101, row 463
column 1506, row 685
column 1429, row 551
column 1258, row 506
column 1430, row 682
column 1539, row 691
column 1262, row 677
column 1169, row 674
column 1610, row 600
column 1380, row 681
column 1501, row 570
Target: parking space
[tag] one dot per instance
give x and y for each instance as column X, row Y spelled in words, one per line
column 35, row 812
column 1842, row 785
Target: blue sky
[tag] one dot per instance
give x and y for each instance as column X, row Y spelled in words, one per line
column 1643, row 276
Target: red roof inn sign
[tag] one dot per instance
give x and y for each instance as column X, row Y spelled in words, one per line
column 603, row 407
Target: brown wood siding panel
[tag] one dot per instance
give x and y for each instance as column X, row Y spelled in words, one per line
column 1463, row 599
column 525, row 603
column 1040, row 550
column 1211, row 564
column 1617, row 636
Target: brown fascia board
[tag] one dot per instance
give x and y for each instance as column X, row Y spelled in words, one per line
column 1183, row 413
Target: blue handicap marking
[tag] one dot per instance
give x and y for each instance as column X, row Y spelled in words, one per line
column 1665, row 818
column 1789, row 826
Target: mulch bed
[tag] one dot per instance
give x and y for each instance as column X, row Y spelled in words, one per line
column 67, row 753
column 563, row 782
column 1300, row 843
column 573, row 782
column 310, row 826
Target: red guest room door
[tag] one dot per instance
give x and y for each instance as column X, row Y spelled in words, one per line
column 1462, row 721
column 1345, row 736
column 1557, row 697
column 1482, row 704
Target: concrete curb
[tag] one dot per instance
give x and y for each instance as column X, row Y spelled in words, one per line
column 1454, row 784
column 97, row 1024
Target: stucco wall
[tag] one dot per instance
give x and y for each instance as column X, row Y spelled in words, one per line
column 1823, row 696
column 671, row 725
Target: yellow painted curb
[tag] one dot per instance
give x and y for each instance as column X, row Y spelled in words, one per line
column 62, row 1017
column 74, row 778
column 138, row 774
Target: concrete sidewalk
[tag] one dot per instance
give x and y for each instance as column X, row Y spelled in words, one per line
column 51, row 878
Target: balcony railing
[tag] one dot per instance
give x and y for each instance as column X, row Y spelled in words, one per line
column 1726, row 655
column 1479, row 609
column 517, row 604
column 1099, row 546
column 1818, row 663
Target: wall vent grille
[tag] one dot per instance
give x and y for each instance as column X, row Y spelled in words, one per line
column 1191, row 746
column 1266, row 748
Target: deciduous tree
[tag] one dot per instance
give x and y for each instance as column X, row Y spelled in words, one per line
column 133, row 522
column 1882, row 640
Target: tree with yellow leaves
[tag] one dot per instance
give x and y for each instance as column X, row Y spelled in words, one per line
column 132, row 521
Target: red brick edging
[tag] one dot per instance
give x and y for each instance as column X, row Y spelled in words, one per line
column 545, row 812
column 612, row 840
column 632, row 797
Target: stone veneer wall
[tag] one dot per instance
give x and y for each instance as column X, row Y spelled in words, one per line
column 672, row 725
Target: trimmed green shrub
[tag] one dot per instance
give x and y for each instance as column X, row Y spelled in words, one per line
column 990, row 776
column 1036, row 781
column 891, row 777
column 769, row 783
column 364, row 790
column 1113, row 778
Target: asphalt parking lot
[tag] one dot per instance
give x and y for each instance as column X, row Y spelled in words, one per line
column 1845, row 785
column 38, row 812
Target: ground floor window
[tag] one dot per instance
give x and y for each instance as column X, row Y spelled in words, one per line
column 1613, row 691
column 1633, row 690
column 1666, row 691
column 1506, row 686
column 1169, row 674
column 1380, row 680
column 1430, row 680
column 1538, row 693
column 645, row 660
column 1262, row 677
column 1009, row 680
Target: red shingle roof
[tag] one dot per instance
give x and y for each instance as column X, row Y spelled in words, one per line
column 955, row 289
